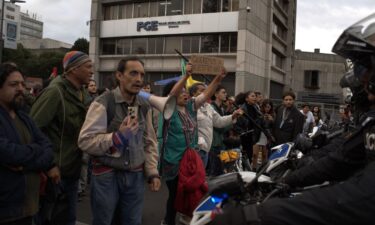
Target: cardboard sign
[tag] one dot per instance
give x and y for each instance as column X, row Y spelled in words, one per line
column 206, row 65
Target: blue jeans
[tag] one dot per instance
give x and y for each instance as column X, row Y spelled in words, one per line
column 120, row 189
column 204, row 156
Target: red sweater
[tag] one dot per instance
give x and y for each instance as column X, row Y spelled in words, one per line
column 192, row 184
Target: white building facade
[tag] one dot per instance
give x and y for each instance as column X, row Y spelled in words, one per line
column 31, row 27
column 255, row 39
column 11, row 25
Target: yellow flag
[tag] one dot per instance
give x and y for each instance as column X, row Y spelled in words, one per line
column 190, row 81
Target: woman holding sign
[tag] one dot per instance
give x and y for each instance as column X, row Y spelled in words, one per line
column 178, row 136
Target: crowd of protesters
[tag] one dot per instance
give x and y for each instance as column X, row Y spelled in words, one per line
column 70, row 134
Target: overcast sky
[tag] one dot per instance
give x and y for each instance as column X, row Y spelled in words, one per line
column 319, row 22
column 64, row 20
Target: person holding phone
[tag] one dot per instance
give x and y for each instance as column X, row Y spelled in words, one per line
column 119, row 135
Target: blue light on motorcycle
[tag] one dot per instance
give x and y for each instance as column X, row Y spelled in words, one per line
column 218, row 199
column 211, row 202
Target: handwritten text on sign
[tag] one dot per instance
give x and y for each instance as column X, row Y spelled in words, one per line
column 206, row 65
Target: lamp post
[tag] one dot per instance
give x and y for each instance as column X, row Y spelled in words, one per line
column 1, row 25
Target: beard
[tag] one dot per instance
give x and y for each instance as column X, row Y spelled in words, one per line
column 18, row 102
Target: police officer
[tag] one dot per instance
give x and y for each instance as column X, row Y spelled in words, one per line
column 349, row 202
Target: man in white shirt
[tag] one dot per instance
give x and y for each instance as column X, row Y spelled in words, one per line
column 207, row 119
column 309, row 118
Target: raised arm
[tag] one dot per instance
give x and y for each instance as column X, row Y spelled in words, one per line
column 181, row 83
column 210, row 90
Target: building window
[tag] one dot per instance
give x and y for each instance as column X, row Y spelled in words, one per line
column 123, row 47
column 9, row 17
column 155, row 45
column 174, row 7
column 224, row 43
column 211, row 6
column 108, row 47
column 195, row 40
column 192, row 6
column 125, row 11
column 110, row 12
column 197, row 6
column 278, row 29
column 225, row 7
column 122, row 12
column 277, row 60
column 188, row 6
column 114, row 12
column 190, row 44
column 209, row 43
column 312, row 79
column 162, row 7
column 154, row 9
column 228, row 42
column 235, row 5
column 172, row 43
column 233, row 42
column 139, row 45
column 141, row 9
column 11, row 9
column 284, row 4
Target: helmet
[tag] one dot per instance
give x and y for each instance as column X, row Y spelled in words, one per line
column 357, row 42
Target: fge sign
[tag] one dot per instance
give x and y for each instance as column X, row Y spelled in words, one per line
column 148, row 26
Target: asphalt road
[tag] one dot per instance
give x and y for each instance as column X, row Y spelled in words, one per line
column 153, row 211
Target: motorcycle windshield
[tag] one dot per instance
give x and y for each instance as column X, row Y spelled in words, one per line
column 358, row 41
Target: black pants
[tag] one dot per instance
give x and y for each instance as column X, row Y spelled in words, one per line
column 23, row 221
column 247, row 146
column 214, row 167
column 170, row 215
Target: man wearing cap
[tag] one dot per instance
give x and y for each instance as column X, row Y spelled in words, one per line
column 59, row 112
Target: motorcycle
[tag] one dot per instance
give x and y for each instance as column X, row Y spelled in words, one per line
column 250, row 187
column 246, row 186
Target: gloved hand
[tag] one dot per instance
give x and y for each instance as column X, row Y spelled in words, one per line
column 237, row 214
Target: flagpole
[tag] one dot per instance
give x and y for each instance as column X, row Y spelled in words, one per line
column 187, row 60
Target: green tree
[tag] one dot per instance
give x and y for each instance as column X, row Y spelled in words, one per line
column 81, row 44
column 32, row 64
column 18, row 56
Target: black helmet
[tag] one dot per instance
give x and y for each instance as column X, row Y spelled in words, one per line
column 357, row 42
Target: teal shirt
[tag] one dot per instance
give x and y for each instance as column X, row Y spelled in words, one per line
column 176, row 143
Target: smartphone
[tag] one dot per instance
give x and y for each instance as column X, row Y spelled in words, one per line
column 132, row 111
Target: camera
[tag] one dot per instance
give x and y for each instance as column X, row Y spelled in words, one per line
column 248, row 8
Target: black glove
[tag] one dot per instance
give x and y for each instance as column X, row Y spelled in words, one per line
column 237, row 215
